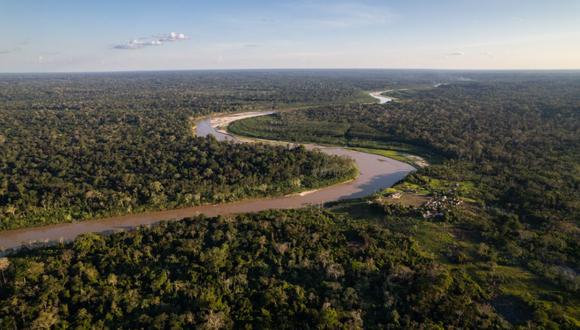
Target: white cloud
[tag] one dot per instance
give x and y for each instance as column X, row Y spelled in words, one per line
column 456, row 54
column 152, row 41
column 173, row 36
column 133, row 44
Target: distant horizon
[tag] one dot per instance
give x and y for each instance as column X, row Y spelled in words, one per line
column 573, row 70
column 147, row 35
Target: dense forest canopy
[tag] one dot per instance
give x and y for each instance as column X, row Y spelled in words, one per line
column 286, row 269
column 509, row 154
column 80, row 146
column 486, row 236
column 77, row 147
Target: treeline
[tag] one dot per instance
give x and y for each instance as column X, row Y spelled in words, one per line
column 285, row 269
column 77, row 147
column 196, row 91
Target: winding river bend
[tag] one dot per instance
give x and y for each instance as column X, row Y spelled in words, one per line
column 376, row 172
column 379, row 96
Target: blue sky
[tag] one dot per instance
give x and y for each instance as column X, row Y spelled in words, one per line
column 111, row 35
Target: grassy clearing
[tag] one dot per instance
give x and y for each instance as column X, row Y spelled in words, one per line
column 467, row 190
column 437, row 239
column 409, row 187
column 406, row 151
column 358, row 209
column 434, row 239
column 364, row 97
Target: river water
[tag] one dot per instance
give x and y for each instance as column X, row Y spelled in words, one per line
column 382, row 99
column 376, row 173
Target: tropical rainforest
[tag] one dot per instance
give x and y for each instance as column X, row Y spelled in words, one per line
column 279, row 269
column 485, row 236
column 75, row 148
column 503, row 186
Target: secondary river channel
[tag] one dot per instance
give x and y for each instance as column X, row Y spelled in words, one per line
column 375, row 173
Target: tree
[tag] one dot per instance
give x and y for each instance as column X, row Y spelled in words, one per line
column 4, row 264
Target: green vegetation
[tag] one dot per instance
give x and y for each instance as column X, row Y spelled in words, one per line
column 396, row 154
column 77, row 148
column 502, row 201
column 285, row 269
column 487, row 236
column 304, row 126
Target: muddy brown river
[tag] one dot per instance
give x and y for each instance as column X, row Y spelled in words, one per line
column 376, row 173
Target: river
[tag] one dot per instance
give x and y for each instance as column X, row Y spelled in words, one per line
column 376, row 173
column 382, row 99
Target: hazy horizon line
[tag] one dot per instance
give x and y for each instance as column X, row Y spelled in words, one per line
column 300, row 69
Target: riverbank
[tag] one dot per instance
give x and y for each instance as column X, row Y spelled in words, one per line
column 375, row 173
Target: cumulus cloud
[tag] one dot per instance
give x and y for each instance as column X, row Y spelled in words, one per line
column 138, row 43
column 158, row 40
column 173, row 36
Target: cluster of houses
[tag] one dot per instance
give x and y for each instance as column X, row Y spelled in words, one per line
column 435, row 206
